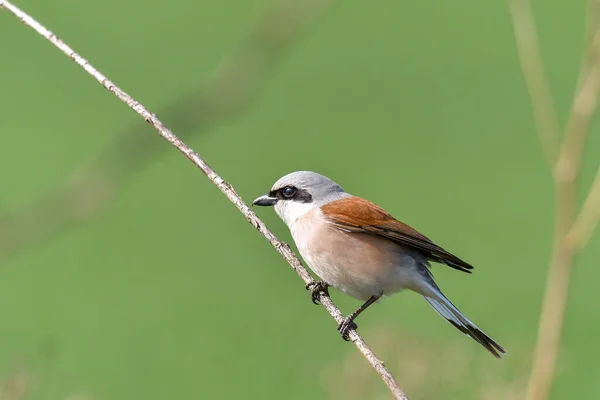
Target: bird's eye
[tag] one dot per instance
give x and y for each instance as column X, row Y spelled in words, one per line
column 289, row 191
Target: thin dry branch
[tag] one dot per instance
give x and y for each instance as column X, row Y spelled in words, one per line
column 571, row 233
column 237, row 80
column 282, row 248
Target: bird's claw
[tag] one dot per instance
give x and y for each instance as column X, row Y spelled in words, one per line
column 346, row 326
column 315, row 288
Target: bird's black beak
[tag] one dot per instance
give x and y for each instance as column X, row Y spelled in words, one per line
column 264, row 201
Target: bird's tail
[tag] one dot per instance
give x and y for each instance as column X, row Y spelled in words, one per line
column 449, row 311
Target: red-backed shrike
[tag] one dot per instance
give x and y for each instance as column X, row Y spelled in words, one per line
column 358, row 248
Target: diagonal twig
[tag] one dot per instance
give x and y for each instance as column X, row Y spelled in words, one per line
column 282, row 248
column 237, row 80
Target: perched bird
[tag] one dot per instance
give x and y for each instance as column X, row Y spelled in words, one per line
column 358, row 248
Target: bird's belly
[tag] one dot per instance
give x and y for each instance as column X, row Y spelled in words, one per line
column 359, row 264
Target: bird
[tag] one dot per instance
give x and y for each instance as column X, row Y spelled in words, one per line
column 358, row 248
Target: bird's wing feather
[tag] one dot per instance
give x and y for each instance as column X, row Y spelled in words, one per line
column 354, row 214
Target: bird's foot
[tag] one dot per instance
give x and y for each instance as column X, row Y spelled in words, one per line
column 315, row 288
column 346, row 326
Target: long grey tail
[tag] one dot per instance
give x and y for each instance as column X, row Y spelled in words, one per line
column 449, row 311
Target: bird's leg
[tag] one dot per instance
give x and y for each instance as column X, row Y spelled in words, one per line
column 348, row 322
column 315, row 288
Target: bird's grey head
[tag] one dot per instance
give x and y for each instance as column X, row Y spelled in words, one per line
column 299, row 192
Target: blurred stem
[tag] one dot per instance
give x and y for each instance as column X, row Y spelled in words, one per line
column 593, row 21
column 544, row 110
column 555, row 297
column 584, row 225
column 565, row 249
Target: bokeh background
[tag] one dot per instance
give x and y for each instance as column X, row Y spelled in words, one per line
column 167, row 292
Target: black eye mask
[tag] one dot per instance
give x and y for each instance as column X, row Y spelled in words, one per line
column 292, row 193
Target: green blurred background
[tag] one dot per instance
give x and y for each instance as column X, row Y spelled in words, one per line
column 169, row 293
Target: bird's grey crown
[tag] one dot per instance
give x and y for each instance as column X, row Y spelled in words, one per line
column 322, row 189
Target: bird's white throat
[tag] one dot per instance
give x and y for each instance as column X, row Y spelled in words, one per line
column 290, row 211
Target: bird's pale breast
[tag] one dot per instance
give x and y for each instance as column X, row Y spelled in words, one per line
column 359, row 264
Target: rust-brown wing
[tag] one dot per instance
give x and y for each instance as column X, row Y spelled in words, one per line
column 354, row 214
